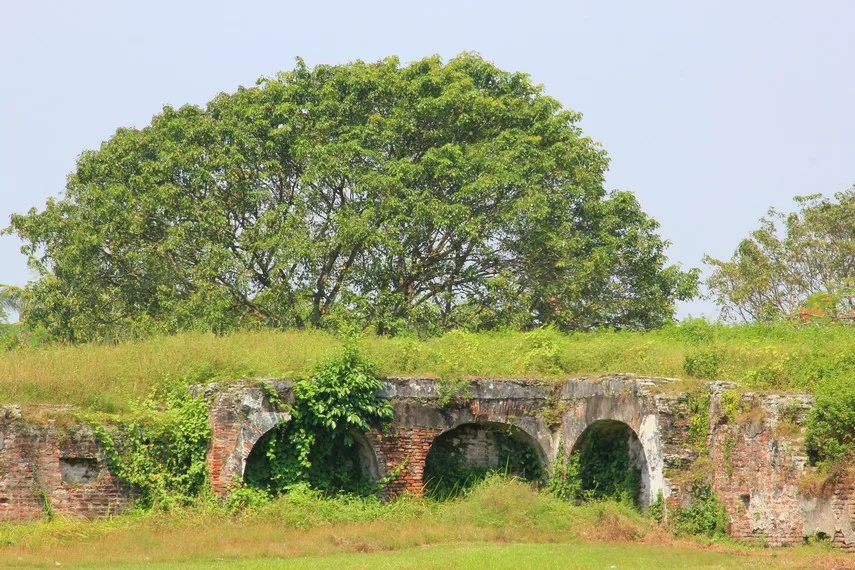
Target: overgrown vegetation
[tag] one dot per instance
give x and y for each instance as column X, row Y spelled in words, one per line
column 109, row 377
column 565, row 480
column 161, row 452
column 704, row 516
column 306, row 523
column 699, row 418
column 317, row 446
column 448, row 474
column 830, row 433
column 605, row 464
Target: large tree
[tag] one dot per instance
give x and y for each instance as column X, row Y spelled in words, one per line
column 797, row 265
column 430, row 196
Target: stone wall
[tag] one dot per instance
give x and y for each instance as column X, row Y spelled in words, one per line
column 752, row 454
column 758, row 468
column 49, row 468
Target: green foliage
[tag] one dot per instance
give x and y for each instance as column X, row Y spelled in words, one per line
column 605, row 467
column 731, row 404
column 658, row 508
column 540, row 352
column 830, row 426
column 699, row 418
column 244, row 499
column 447, row 474
column 702, row 363
column 420, row 197
column 47, row 506
column 317, row 445
column 705, row 516
column 565, row 479
column 806, row 273
column 161, row 451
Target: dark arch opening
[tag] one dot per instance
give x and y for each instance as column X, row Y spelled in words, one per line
column 460, row 457
column 612, row 464
column 346, row 465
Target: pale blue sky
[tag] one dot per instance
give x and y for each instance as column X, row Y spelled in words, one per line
column 711, row 111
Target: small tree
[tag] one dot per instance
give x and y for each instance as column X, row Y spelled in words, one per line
column 799, row 265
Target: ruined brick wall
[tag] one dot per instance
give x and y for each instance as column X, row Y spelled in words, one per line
column 756, row 464
column 401, row 456
column 759, row 458
column 239, row 416
column 753, row 454
column 48, row 467
column 477, row 448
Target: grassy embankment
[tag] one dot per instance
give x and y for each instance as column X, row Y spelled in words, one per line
column 109, row 377
column 499, row 524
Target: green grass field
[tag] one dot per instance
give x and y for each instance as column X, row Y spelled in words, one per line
column 499, row 524
column 491, row 556
column 109, row 377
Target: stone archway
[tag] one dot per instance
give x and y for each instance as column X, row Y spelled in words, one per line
column 612, row 461
column 460, row 456
column 350, row 465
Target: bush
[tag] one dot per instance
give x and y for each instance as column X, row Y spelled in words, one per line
column 702, row 363
column 317, row 446
column 830, row 433
column 705, row 516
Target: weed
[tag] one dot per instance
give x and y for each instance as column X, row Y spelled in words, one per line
column 699, row 418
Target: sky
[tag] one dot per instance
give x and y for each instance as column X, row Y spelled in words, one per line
column 712, row 111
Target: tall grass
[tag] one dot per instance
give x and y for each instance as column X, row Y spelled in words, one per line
column 107, row 377
column 305, row 524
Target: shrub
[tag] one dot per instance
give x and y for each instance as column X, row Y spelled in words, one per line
column 705, row 515
column 317, row 446
column 830, row 433
column 702, row 363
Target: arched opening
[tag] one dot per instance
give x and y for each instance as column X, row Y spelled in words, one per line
column 612, row 464
column 348, row 465
column 460, row 457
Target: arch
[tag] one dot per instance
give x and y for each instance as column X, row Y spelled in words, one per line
column 612, row 461
column 350, row 466
column 368, row 462
column 259, row 424
column 460, row 456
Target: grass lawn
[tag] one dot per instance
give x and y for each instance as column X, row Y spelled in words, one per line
column 499, row 556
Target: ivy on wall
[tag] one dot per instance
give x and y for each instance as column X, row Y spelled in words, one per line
column 161, row 452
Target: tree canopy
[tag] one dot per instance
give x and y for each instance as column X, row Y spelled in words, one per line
column 798, row 265
column 424, row 197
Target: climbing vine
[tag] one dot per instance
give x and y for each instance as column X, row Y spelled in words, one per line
column 565, row 481
column 161, row 452
column 317, row 446
column 699, row 419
